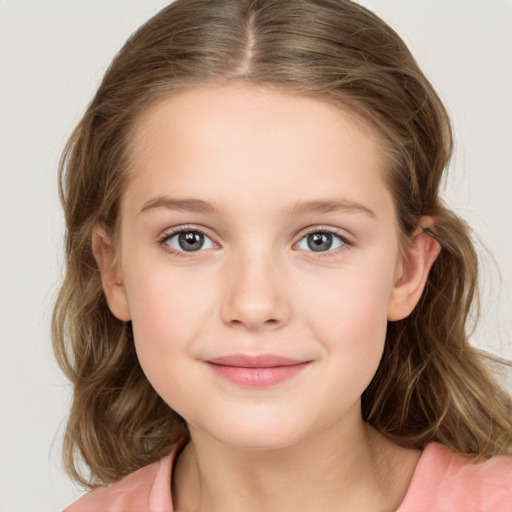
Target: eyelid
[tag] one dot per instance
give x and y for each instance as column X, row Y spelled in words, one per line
column 177, row 230
column 341, row 234
column 321, row 228
column 346, row 238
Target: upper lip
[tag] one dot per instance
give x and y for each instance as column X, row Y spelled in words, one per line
column 255, row 361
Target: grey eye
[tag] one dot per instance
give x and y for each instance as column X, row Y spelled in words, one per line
column 189, row 241
column 320, row 241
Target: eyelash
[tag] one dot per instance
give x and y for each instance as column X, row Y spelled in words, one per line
column 178, row 231
column 347, row 243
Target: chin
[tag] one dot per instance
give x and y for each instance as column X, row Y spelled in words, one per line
column 259, row 441
column 253, row 433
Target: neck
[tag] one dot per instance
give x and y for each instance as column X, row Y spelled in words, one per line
column 338, row 469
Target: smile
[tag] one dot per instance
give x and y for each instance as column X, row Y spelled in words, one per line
column 256, row 371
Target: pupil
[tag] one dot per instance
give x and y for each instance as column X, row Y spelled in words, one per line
column 320, row 242
column 191, row 241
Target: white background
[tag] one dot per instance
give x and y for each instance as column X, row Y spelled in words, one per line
column 52, row 56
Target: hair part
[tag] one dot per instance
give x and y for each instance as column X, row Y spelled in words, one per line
column 431, row 385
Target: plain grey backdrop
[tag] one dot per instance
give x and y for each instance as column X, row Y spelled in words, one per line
column 52, row 56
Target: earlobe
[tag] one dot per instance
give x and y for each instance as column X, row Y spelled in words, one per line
column 414, row 267
column 106, row 257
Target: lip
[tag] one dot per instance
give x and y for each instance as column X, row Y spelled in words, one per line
column 258, row 371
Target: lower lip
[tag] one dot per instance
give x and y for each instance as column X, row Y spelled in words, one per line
column 262, row 377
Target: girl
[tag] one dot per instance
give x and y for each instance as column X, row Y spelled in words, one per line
column 266, row 299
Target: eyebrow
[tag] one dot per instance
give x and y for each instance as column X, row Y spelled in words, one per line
column 186, row 205
column 330, row 205
column 298, row 207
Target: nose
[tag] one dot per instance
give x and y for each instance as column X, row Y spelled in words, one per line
column 256, row 295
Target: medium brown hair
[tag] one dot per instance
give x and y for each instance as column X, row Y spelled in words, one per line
column 431, row 385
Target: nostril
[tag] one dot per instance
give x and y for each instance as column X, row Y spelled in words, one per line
column 254, row 307
column 255, row 323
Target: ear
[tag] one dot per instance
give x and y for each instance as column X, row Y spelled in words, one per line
column 106, row 256
column 412, row 271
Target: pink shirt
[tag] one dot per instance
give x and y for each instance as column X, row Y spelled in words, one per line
column 442, row 482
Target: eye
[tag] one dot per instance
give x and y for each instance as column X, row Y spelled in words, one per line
column 321, row 241
column 188, row 240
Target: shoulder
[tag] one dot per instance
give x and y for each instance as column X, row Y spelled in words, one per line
column 146, row 490
column 446, row 481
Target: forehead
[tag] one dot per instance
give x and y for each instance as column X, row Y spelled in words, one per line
column 245, row 140
column 245, row 106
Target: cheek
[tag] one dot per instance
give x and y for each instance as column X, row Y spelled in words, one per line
column 169, row 311
column 348, row 315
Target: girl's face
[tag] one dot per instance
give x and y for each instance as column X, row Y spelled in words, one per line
column 258, row 262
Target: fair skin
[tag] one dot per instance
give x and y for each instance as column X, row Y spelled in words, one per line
column 288, row 261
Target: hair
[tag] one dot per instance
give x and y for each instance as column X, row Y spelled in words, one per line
column 431, row 385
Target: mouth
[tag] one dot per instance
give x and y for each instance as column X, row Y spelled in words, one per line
column 256, row 371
